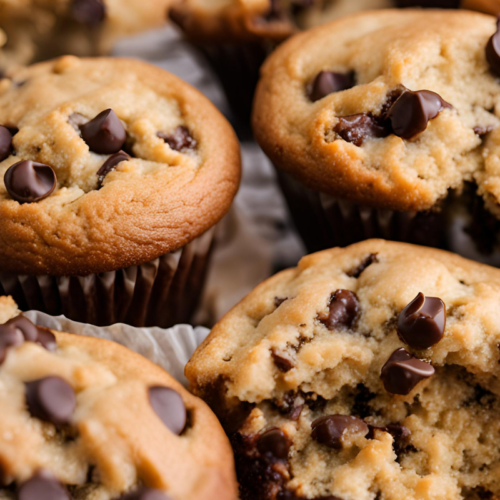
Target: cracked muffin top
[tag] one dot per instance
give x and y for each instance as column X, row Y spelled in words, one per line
column 368, row 372
column 390, row 109
column 107, row 163
column 39, row 29
column 87, row 419
column 275, row 20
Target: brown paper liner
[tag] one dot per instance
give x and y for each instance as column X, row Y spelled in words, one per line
column 324, row 221
column 237, row 66
column 162, row 292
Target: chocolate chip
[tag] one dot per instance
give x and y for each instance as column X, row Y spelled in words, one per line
column 5, row 143
column 169, row 407
column 274, row 443
column 343, row 310
column 144, row 494
column 330, row 430
column 402, row 372
column 51, row 399
column 179, row 139
column 89, row 12
column 411, row 113
column 356, row 128
column 328, row 82
column 109, row 165
column 368, row 261
column 493, row 51
column 422, row 322
column 42, row 486
column 397, row 431
column 283, row 363
column 27, row 181
column 105, row 133
column 19, row 330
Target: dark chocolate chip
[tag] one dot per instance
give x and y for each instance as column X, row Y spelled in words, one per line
column 105, row 133
column 279, row 300
column 27, row 181
column 328, row 82
column 493, row 51
column 110, row 164
column 402, row 372
column 274, row 442
column 356, row 128
column 411, row 113
column 329, row 430
column 422, row 322
column 343, row 310
column 42, row 486
column 51, row 399
column 368, row 261
column 144, row 494
column 19, row 330
column 89, row 12
column 169, row 407
column 179, row 139
column 283, row 363
column 5, row 143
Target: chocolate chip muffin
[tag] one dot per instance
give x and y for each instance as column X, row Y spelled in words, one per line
column 381, row 136
column 237, row 35
column 366, row 372
column 114, row 174
column 87, row 419
column 40, row 29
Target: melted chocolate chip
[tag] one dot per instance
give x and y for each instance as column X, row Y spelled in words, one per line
column 356, row 128
column 144, row 494
column 422, row 322
column 169, row 407
column 5, row 143
column 42, row 486
column 89, row 12
column 109, row 165
column 411, row 113
column 283, row 363
column 343, row 310
column 369, row 260
column 51, row 399
column 402, row 372
column 105, row 133
column 329, row 430
column 328, row 82
column 28, row 182
column 274, row 443
column 19, row 330
column 493, row 51
column 179, row 139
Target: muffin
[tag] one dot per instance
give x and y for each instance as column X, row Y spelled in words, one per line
column 366, row 372
column 87, row 419
column 113, row 176
column 237, row 35
column 393, row 134
column 40, row 29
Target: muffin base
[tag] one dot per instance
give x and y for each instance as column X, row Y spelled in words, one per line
column 324, row 221
column 162, row 292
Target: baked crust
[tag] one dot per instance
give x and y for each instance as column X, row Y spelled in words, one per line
column 117, row 430
column 274, row 362
column 442, row 51
column 151, row 205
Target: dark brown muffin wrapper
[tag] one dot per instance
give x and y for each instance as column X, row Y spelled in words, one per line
column 162, row 292
column 324, row 221
column 237, row 67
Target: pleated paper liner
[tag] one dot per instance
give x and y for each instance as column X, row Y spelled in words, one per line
column 324, row 221
column 162, row 292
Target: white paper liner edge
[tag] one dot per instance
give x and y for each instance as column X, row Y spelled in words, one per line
column 170, row 348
